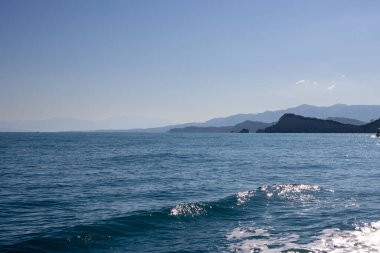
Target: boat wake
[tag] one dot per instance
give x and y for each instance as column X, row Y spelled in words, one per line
column 363, row 238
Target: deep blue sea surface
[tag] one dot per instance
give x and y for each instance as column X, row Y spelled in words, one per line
column 123, row 192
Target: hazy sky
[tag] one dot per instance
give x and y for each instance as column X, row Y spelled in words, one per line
column 184, row 60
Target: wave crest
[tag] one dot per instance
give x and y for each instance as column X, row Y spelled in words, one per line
column 301, row 192
column 192, row 209
column 242, row 197
column 287, row 192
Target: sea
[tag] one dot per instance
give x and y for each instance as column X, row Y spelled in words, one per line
column 132, row 192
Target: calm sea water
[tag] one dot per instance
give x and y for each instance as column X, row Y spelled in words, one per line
column 121, row 192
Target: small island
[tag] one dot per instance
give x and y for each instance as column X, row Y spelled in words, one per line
column 244, row 127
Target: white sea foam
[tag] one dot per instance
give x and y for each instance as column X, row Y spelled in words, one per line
column 300, row 192
column 362, row 239
column 191, row 209
column 242, row 197
column 257, row 240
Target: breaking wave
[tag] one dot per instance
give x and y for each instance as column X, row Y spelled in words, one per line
column 250, row 209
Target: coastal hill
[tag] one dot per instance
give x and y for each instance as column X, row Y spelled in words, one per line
column 291, row 123
column 347, row 121
column 251, row 126
column 371, row 127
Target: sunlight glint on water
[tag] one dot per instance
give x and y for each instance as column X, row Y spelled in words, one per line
column 101, row 192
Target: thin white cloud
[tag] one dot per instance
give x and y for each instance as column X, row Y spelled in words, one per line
column 301, row 82
column 343, row 76
column 331, row 87
column 306, row 82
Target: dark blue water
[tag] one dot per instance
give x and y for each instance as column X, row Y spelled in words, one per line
column 121, row 192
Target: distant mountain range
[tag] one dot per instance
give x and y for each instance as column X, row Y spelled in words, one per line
column 352, row 114
column 291, row 123
column 69, row 124
column 364, row 113
column 254, row 126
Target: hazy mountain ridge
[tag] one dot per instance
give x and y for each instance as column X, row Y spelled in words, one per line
column 70, row 124
column 358, row 113
column 347, row 121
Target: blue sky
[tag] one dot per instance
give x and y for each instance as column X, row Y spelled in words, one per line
column 184, row 60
